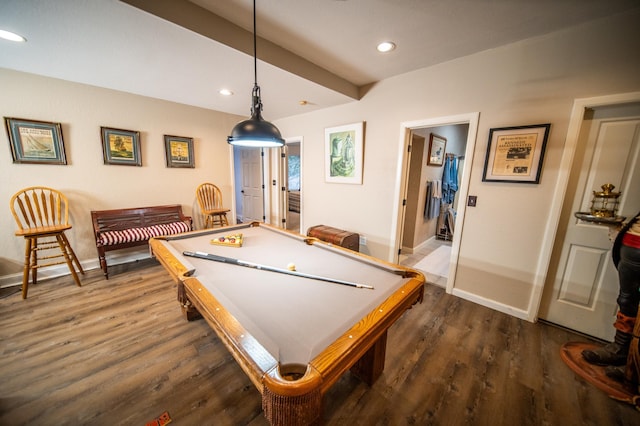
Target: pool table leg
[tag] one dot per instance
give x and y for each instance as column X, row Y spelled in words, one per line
column 370, row 366
column 189, row 311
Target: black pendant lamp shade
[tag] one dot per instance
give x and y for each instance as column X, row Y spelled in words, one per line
column 255, row 132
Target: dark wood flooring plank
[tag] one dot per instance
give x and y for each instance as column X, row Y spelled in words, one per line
column 119, row 352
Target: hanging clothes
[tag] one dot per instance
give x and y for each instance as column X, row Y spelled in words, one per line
column 449, row 179
column 450, row 219
column 432, row 202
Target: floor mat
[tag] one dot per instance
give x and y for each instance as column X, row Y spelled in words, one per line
column 436, row 262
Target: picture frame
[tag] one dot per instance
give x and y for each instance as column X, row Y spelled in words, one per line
column 344, row 153
column 515, row 154
column 35, row 142
column 179, row 151
column 437, row 150
column 121, row 147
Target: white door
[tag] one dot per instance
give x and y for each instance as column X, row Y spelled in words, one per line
column 582, row 284
column 252, row 187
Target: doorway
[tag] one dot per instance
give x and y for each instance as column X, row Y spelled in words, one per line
column 429, row 223
column 463, row 130
column 293, row 180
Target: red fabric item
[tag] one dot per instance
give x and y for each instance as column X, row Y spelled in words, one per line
column 631, row 240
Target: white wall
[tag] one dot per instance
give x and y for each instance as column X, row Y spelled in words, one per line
column 88, row 183
column 530, row 82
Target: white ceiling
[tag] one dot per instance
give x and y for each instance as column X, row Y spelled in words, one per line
column 112, row 44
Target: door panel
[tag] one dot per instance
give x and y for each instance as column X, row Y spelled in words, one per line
column 582, row 284
column 584, row 266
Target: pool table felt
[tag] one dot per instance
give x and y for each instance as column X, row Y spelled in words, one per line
column 293, row 318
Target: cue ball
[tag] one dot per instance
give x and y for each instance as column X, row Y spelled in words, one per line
column 291, row 266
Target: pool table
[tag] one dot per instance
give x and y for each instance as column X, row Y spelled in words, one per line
column 294, row 336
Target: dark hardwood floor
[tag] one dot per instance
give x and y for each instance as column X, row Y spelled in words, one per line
column 118, row 352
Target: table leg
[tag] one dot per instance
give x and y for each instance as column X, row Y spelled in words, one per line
column 370, row 366
column 189, row 311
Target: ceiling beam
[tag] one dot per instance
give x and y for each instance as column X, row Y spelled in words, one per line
column 204, row 22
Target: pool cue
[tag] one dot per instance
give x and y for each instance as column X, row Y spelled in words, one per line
column 238, row 262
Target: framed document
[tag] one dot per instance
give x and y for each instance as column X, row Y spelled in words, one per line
column 514, row 154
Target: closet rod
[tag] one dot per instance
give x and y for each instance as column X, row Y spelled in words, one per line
column 459, row 157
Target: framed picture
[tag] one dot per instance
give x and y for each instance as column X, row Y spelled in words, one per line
column 35, row 142
column 437, row 145
column 121, row 146
column 344, row 153
column 179, row 151
column 514, row 154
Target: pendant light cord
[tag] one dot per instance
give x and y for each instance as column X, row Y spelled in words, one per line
column 256, row 106
column 255, row 50
column 255, row 132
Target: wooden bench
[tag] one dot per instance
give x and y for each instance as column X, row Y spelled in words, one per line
column 124, row 228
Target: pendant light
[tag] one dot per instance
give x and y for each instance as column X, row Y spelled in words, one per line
column 255, row 132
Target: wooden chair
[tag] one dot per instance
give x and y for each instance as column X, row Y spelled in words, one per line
column 42, row 215
column 210, row 201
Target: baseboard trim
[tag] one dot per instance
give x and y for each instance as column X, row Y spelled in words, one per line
column 497, row 306
column 411, row 250
column 56, row 271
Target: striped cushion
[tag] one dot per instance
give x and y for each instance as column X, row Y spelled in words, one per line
column 109, row 238
column 125, row 236
column 167, row 229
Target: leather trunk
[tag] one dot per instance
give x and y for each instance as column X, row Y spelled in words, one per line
column 346, row 239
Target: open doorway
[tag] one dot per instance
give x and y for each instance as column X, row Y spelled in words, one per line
column 418, row 227
column 293, row 180
column 432, row 199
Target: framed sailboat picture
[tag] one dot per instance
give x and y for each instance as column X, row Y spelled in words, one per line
column 35, row 142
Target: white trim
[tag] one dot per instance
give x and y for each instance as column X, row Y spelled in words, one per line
column 300, row 140
column 465, row 180
column 282, row 175
column 411, row 250
column 566, row 162
column 490, row 303
column 232, row 214
column 265, row 166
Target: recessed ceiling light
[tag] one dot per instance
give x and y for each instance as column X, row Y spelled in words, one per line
column 226, row 92
column 8, row 35
column 386, row 46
